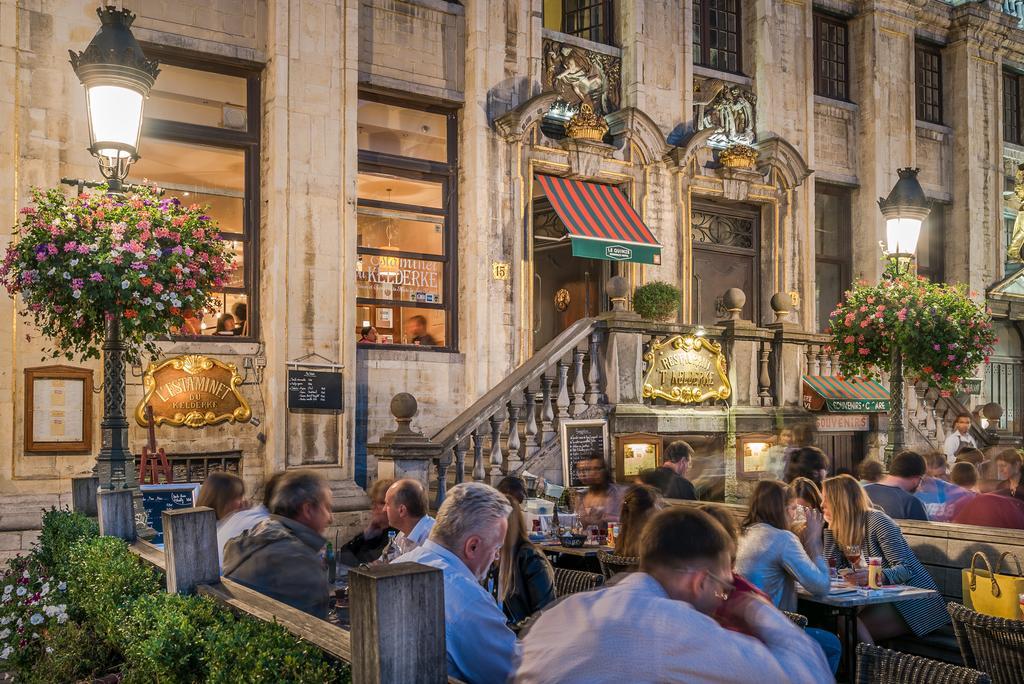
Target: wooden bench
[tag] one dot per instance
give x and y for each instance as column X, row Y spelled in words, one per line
column 944, row 549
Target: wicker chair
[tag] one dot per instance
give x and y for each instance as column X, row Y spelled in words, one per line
column 993, row 645
column 573, row 581
column 798, row 619
column 612, row 564
column 876, row 665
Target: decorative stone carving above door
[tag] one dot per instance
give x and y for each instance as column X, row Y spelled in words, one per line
column 728, row 110
column 581, row 76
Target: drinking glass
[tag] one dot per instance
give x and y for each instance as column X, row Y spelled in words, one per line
column 853, row 555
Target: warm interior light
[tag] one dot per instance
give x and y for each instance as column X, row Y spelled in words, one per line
column 115, row 116
column 902, row 234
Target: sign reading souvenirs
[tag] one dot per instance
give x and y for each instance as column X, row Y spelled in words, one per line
column 837, row 395
column 582, row 440
column 686, row 370
column 192, row 390
column 158, row 498
column 310, row 390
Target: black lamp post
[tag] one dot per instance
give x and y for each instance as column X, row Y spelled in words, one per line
column 117, row 78
column 905, row 209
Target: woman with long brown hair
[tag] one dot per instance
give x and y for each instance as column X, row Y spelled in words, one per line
column 857, row 532
column 639, row 504
column 526, row 582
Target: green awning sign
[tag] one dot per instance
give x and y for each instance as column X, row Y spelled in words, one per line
column 615, row 251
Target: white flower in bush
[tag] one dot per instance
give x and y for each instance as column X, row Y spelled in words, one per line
column 5, row 633
column 21, row 591
column 36, row 619
column 4, row 654
column 8, row 589
column 63, row 586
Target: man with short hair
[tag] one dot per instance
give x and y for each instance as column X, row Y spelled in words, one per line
column 670, row 478
column 941, row 498
column 466, row 539
column 368, row 335
column 367, row 546
column 280, row 557
column 656, row 625
column 959, row 437
column 406, row 505
column 894, row 492
column 869, row 471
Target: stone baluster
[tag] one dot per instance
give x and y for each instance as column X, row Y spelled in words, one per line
column 496, row 456
column 824, row 361
column 443, row 461
column 811, row 358
column 578, row 386
column 562, row 402
column 460, row 460
column 478, row 454
column 594, row 373
column 530, row 406
column 764, row 381
column 513, row 462
column 547, row 411
column 835, row 364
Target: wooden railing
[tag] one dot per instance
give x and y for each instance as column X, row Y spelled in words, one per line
column 405, row 599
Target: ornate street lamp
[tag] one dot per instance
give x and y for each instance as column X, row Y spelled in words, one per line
column 117, row 78
column 905, row 209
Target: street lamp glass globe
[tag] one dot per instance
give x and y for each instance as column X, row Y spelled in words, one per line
column 115, row 120
column 901, row 234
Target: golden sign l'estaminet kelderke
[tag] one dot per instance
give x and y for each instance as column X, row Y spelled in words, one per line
column 192, row 390
column 686, row 370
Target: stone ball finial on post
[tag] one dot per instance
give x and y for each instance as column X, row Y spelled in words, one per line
column 782, row 304
column 617, row 288
column 404, row 407
column 733, row 301
column 992, row 411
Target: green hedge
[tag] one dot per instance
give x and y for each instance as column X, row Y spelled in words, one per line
column 123, row 620
column 657, row 300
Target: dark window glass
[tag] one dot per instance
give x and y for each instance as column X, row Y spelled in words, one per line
column 929, row 83
column 831, row 57
column 589, row 19
column 405, row 271
column 716, row 34
column 832, row 253
column 931, row 245
column 1013, row 129
column 208, row 114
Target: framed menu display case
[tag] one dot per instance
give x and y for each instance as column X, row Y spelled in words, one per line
column 636, row 453
column 58, row 410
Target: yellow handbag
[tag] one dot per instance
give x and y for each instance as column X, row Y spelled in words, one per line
column 993, row 593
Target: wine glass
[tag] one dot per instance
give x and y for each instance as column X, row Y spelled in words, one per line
column 853, row 555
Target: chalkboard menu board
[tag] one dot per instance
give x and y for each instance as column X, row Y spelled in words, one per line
column 310, row 390
column 166, row 497
column 582, row 440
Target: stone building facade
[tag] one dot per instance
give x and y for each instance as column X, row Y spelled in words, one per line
column 378, row 159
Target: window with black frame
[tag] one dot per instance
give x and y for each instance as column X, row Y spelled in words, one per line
column 931, row 245
column 1013, row 107
column 201, row 144
column 831, row 57
column 928, row 82
column 833, row 260
column 405, row 271
column 716, row 35
column 588, row 19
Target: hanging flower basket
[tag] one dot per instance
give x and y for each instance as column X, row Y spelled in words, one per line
column 942, row 333
column 76, row 261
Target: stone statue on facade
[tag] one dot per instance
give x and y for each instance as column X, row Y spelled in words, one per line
column 729, row 110
column 582, row 77
column 1013, row 252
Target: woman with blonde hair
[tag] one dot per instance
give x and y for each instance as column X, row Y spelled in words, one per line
column 639, row 504
column 856, row 532
column 526, row 582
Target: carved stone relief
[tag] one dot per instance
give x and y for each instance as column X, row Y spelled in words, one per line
column 728, row 110
column 581, row 77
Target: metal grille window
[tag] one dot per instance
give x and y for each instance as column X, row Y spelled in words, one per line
column 929, row 83
column 716, row 34
column 589, row 19
column 724, row 231
column 831, row 57
column 1013, row 126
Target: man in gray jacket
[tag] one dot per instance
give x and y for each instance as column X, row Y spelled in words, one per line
column 280, row 557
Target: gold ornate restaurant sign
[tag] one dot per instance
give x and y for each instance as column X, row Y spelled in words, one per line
column 192, row 390
column 686, row 370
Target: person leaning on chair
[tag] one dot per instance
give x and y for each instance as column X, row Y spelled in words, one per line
column 280, row 557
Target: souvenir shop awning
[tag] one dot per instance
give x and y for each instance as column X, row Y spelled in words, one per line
column 600, row 222
column 844, row 396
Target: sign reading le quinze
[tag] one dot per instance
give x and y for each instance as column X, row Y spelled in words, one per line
column 192, row 390
column 686, row 370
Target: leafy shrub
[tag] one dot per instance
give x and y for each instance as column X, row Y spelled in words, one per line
column 246, row 650
column 72, row 653
column 62, row 529
column 30, row 603
column 104, row 579
column 657, row 300
column 165, row 637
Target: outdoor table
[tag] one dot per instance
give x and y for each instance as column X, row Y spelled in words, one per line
column 845, row 604
column 582, row 551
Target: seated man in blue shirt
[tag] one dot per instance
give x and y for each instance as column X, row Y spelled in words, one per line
column 464, row 541
column 894, row 493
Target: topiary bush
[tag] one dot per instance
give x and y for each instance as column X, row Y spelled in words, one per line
column 165, row 637
column 72, row 653
column 62, row 529
column 656, row 300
